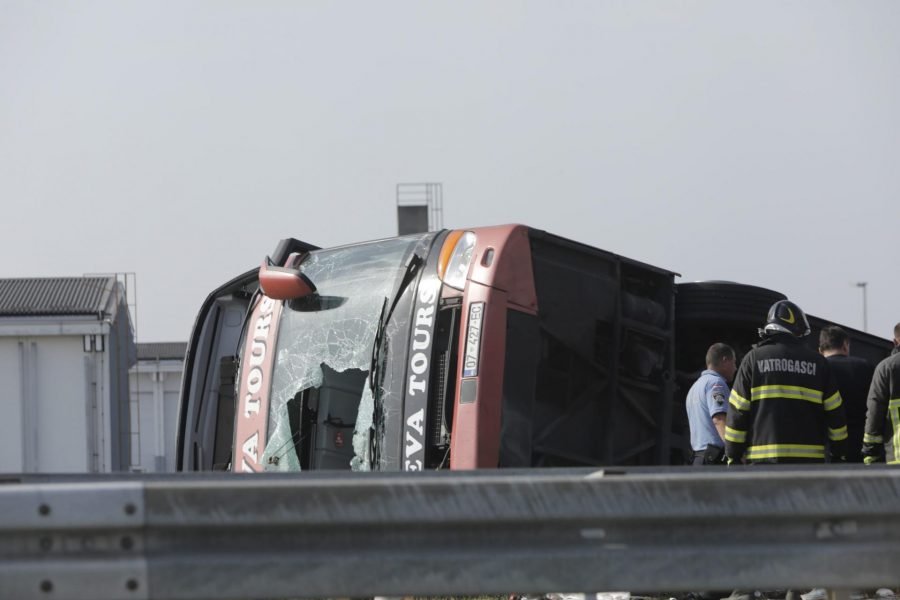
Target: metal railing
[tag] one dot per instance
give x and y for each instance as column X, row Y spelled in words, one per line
column 316, row 535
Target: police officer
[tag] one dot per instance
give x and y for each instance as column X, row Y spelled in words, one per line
column 853, row 375
column 707, row 404
column 785, row 405
column 884, row 400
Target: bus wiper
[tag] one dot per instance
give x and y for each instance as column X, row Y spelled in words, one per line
column 376, row 347
column 412, row 267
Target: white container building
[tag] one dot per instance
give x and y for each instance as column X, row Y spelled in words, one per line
column 66, row 345
column 155, row 385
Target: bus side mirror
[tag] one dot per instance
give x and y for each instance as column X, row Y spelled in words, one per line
column 287, row 282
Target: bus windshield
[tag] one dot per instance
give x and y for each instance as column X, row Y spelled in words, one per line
column 321, row 406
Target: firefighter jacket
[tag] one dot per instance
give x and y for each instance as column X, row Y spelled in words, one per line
column 784, row 406
column 883, row 412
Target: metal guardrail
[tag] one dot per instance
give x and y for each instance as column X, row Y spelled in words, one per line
column 233, row 537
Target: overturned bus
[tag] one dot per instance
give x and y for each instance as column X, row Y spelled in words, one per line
column 489, row 347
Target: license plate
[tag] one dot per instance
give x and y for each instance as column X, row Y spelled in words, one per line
column 473, row 339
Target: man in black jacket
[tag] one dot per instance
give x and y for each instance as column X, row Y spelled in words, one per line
column 785, row 404
column 854, row 375
column 882, row 435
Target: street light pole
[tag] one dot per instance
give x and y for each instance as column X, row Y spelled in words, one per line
column 863, row 284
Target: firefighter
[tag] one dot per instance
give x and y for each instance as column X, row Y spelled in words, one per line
column 884, row 400
column 784, row 406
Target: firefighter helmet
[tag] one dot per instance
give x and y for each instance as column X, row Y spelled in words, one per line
column 786, row 317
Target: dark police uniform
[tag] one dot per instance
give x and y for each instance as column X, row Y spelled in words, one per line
column 784, row 406
column 883, row 414
column 854, row 376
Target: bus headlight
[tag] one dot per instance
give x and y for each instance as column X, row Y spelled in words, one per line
column 456, row 256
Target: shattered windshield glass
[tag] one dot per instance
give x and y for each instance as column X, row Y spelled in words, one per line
column 325, row 349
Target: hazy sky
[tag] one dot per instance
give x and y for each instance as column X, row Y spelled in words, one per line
column 757, row 142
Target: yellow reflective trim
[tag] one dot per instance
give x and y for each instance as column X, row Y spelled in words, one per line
column 872, row 439
column 786, row 396
column 773, row 454
column 786, row 451
column 735, row 435
column 738, row 401
column 895, row 421
column 834, row 401
column 789, row 446
column 869, row 460
column 791, row 392
column 894, row 403
column 836, row 435
column 793, row 388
